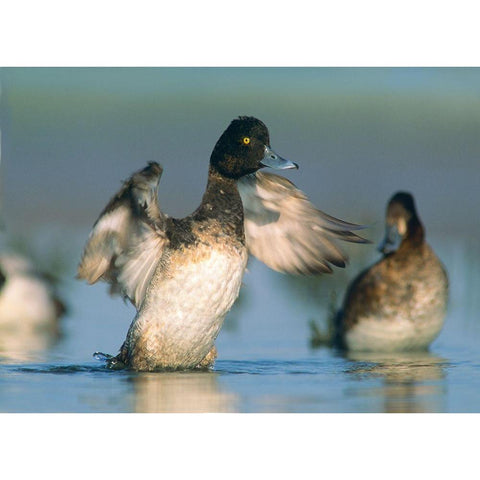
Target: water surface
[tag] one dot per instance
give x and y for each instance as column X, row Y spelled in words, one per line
column 265, row 362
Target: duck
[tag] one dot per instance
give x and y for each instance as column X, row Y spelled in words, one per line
column 183, row 275
column 399, row 303
column 28, row 299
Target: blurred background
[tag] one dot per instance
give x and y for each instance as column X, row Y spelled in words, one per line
column 69, row 136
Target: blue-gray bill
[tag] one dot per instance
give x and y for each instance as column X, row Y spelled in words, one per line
column 273, row 160
column 392, row 240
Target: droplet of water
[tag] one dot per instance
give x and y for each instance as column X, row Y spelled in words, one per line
column 103, row 357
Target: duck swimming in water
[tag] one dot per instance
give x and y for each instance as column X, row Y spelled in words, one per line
column 183, row 275
column 399, row 303
column 28, row 298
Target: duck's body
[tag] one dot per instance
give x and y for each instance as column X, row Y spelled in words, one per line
column 183, row 275
column 197, row 280
column 399, row 303
column 180, row 330
column 27, row 300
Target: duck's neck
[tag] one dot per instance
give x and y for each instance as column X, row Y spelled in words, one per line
column 415, row 235
column 221, row 200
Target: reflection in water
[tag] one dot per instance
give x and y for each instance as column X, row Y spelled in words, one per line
column 181, row 392
column 412, row 382
column 24, row 345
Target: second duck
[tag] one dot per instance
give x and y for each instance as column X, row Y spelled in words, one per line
column 399, row 303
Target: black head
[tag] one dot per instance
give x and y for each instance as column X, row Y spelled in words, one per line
column 400, row 210
column 243, row 148
column 401, row 222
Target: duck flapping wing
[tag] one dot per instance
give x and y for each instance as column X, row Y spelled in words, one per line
column 286, row 232
column 128, row 238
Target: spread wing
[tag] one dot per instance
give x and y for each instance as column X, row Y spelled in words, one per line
column 286, row 232
column 128, row 239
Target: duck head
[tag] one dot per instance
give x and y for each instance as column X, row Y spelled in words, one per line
column 244, row 148
column 401, row 223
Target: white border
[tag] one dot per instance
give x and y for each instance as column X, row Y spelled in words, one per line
column 247, row 33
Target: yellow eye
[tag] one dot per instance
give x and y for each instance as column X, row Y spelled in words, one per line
column 246, row 140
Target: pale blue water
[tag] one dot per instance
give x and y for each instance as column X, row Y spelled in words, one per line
column 69, row 137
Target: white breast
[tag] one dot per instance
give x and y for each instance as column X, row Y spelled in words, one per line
column 184, row 309
column 373, row 334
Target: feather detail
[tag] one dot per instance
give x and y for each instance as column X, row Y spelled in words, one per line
column 128, row 239
column 286, row 232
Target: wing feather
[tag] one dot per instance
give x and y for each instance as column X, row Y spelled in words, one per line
column 128, row 239
column 286, row 232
